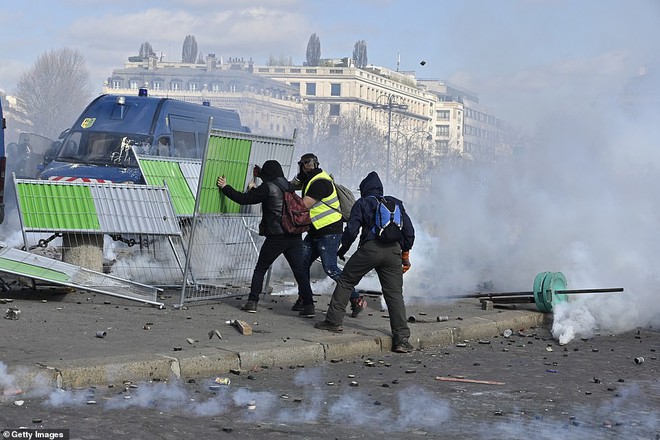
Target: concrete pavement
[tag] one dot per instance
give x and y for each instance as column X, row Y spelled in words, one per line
column 54, row 341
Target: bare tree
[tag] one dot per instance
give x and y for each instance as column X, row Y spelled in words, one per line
column 415, row 156
column 348, row 146
column 360, row 54
column 360, row 148
column 315, row 127
column 146, row 50
column 313, row 51
column 55, row 90
column 189, row 52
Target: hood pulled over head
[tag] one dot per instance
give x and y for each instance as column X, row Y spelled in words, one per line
column 371, row 185
column 270, row 170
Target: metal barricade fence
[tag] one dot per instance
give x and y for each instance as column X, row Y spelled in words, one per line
column 177, row 231
column 74, row 221
column 224, row 253
column 223, row 242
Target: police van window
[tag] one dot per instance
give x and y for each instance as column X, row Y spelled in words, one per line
column 70, row 150
column 99, row 149
column 184, row 144
column 183, row 136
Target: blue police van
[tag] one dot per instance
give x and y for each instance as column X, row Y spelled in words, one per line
column 100, row 145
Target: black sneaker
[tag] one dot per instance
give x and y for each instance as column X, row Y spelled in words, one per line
column 357, row 305
column 307, row 311
column 403, row 346
column 325, row 325
column 298, row 306
column 250, row 307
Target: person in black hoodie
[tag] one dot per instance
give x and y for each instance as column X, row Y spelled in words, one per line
column 278, row 242
column 389, row 259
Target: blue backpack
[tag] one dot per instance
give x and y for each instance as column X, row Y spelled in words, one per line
column 388, row 220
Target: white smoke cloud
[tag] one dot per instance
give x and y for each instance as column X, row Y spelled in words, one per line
column 581, row 202
column 413, row 408
column 419, row 408
column 59, row 397
column 349, row 404
column 261, row 403
column 571, row 320
column 310, row 382
column 6, row 379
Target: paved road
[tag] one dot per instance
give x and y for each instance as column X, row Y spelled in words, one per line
column 55, row 336
column 532, row 388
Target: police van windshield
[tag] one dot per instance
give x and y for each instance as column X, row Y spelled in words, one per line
column 103, row 148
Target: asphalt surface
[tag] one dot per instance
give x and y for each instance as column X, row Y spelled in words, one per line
column 523, row 386
column 55, row 340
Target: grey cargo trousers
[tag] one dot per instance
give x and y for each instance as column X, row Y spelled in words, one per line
column 385, row 258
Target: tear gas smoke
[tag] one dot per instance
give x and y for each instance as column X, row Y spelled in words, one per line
column 310, row 381
column 6, row 379
column 582, row 202
column 413, row 408
column 420, row 408
column 347, row 405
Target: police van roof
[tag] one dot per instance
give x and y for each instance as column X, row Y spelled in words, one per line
column 140, row 114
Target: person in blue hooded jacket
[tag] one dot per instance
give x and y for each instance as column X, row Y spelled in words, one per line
column 390, row 260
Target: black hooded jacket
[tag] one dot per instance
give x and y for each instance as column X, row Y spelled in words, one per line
column 363, row 215
column 269, row 194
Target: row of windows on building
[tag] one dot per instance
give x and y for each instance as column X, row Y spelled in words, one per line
column 443, row 115
column 333, row 109
column 443, row 131
column 478, row 150
column 274, row 128
column 481, row 133
column 480, row 116
column 310, row 88
column 371, row 94
column 177, row 85
column 192, row 86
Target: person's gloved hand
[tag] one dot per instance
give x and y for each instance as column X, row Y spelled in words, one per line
column 297, row 182
column 256, row 171
column 341, row 252
column 405, row 261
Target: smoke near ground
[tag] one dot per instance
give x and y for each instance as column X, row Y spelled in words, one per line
column 414, row 408
column 582, row 201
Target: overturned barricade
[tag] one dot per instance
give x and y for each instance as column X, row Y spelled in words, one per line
column 79, row 215
column 21, row 263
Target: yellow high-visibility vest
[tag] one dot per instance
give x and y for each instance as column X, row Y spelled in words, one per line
column 326, row 211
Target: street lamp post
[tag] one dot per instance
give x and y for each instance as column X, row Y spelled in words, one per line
column 391, row 104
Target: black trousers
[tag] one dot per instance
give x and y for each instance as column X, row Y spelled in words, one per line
column 292, row 248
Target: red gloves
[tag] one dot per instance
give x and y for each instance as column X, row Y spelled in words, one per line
column 405, row 261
